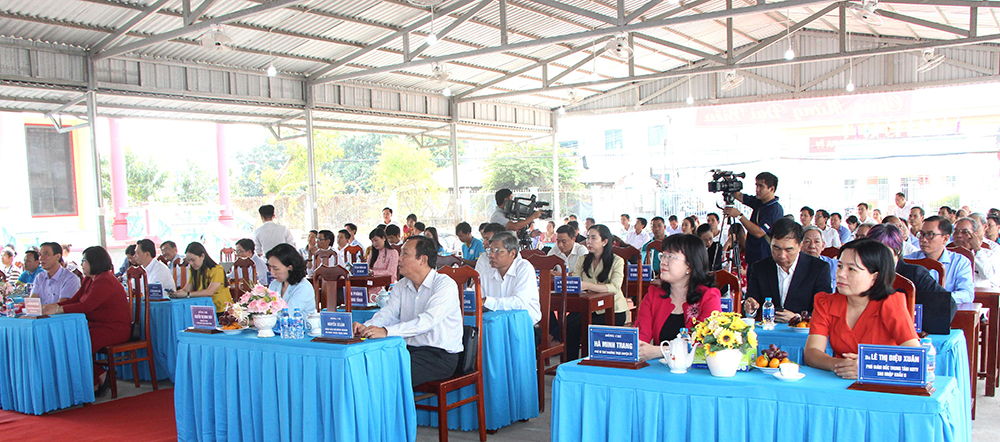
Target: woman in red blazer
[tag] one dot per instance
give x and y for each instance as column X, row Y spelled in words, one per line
column 686, row 293
column 102, row 298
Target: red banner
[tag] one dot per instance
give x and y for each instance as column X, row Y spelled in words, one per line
column 847, row 108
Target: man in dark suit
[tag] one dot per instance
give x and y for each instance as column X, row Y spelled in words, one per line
column 789, row 277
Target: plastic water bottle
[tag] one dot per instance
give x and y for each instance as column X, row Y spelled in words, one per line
column 686, row 336
column 284, row 324
column 298, row 325
column 931, row 358
column 768, row 314
column 9, row 307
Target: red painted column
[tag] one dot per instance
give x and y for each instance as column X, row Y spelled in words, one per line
column 226, row 215
column 119, row 195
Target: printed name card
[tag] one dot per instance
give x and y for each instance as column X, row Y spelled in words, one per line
column 203, row 317
column 918, row 317
column 633, row 272
column 891, row 365
column 32, row 307
column 727, row 305
column 573, row 284
column 359, row 269
column 336, row 325
column 613, row 344
column 359, row 297
column 155, row 292
column 469, row 301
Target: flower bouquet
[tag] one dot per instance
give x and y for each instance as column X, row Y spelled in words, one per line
column 259, row 306
column 725, row 344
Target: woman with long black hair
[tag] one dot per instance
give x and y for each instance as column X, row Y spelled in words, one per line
column 599, row 271
column 384, row 260
column 207, row 278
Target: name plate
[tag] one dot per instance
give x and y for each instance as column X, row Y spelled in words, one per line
column 918, row 317
column 203, row 317
column 336, row 325
column 156, row 292
column 892, row 365
column 573, row 284
column 359, row 269
column 727, row 305
column 32, row 307
column 469, row 301
column 633, row 272
column 359, row 297
column 613, row 344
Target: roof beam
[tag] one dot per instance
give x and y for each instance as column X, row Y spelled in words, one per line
column 922, row 22
column 576, row 66
column 385, row 40
column 680, row 48
column 963, row 3
column 576, row 10
column 184, row 30
column 454, row 24
column 775, row 38
column 736, row 12
column 128, row 26
column 197, row 13
column 642, row 10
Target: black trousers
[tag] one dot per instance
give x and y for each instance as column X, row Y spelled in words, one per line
column 573, row 330
column 431, row 364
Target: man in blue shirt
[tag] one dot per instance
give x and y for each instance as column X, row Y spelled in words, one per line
column 472, row 247
column 55, row 282
column 934, row 234
column 842, row 230
column 766, row 210
column 31, row 268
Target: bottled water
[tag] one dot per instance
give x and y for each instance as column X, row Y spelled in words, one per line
column 9, row 306
column 298, row 325
column 931, row 358
column 686, row 337
column 284, row 324
column 768, row 314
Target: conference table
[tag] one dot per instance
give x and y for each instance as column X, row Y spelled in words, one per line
column 45, row 364
column 586, row 303
column 592, row 403
column 167, row 319
column 241, row 387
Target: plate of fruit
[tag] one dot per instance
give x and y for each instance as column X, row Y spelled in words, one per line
column 770, row 358
column 800, row 322
column 229, row 325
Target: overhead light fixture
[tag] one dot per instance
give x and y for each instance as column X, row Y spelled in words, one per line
column 561, row 110
column 850, row 86
column 733, row 81
column 432, row 38
column 446, row 91
column 272, row 71
column 690, row 98
column 930, row 60
column 789, row 54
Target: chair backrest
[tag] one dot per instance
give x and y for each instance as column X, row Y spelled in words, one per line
column 181, row 271
column 78, row 273
column 830, row 252
column 354, row 254
column 631, row 255
column 3, row 277
column 137, row 289
column 327, row 282
column 449, row 261
column 461, row 276
column 929, row 264
column 527, row 253
column 545, row 265
column 724, row 278
column 907, row 286
column 322, row 257
column 653, row 247
column 227, row 254
column 966, row 253
column 244, row 275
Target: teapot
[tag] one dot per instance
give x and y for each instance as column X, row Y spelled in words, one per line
column 679, row 356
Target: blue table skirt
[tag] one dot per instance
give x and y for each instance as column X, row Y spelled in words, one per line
column 242, row 388
column 952, row 353
column 167, row 320
column 45, row 364
column 652, row 404
column 509, row 377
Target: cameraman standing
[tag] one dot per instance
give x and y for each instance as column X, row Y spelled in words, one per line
column 766, row 210
column 502, row 196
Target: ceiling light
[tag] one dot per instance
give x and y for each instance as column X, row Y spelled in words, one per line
column 789, row 54
column 272, row 71
column 446, row 91
column 561, row 110
column 690, row 99
column 850, row 86
column 431, row 39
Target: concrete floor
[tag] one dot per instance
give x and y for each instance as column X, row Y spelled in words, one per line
column 985, row 427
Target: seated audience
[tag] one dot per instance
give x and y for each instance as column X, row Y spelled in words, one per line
column 588, row 223
column 411, row 219
column 31, row 267
column 908, row 248
column 576, row 231
column 862, row 230
column 245, row 250
column 310, row 247
column 704, row 233
column 992, row 231
column 482, row 226
column 806, row 215
column 8, row 267
column 686, row 294
column 425, row 309
column 156, row 271
column 636, row 237
column 207, row 278
column 392, row 235
column 432, row 233
column 789, row 277
column 659, row 230
column 852, row 225
column 934, row 234
column 343, row 241
column 104, row 302
column 472, row 247
column 864, row 310
column 916, row 220
column 688, row 226
column 830, row 234
column 864, row 217
column 566, row 248
column 600, row 271
column 845, row 233
column 289, row 272
column 55, row 282
column 384, row 260
column 128, row 261
column 984, row 228
column 510, row 282
column 548, row 238
column 891, row 236
column 353, row 230
column 813, row 245
column 168, row 254
column 969, row 234
column 418, row 228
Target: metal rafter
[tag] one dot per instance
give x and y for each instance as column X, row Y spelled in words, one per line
column 924, row 23
column 777, row 37
column 576, row 66
column 577, row 10
column 129, row 25
column 451, row 26
column 197, row 13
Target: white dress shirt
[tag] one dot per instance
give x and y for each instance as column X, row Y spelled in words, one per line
column 902, row 212
column 517, row 290
column 785, row 279
column 428, row 316
column 261, row 270
column 269, row 235
column 578, row 251
column 909, row 248
column 672, row 231
column 637, row 240
column 158, row 273
column 831, row 237
column 985, row 271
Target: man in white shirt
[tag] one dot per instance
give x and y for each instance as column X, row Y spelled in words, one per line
column 992, row 230
column 637, row 238
column 567, row 248
column 806, row 214
column 245, row 249
column 863, row 217
column 626, row 226
column 713, row 220
column 156, row 271
column 387, row 218
column 831, row 237
column 491, row 229
column 673, row 228
column 343, row 240
column 425, row 310
column 509, row 283
column 270, row 233
column 968, row 234
column 902, row 208
column 353, row 230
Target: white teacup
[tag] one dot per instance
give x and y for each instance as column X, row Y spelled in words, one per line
column 313, row 324
column 749, row 321
column 789, row 369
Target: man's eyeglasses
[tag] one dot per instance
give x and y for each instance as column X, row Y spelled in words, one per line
column 928, row 235
column 495, row 251
column 671, row 257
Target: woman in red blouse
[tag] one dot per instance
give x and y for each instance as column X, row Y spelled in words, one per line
column 686, row 293
column 864, row 310
column 102, row 298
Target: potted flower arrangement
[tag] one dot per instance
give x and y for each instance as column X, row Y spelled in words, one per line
column 261, row 306
column 725, row 340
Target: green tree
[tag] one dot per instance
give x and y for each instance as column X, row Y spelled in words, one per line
column 144, row 178
column 194, row 184
column 353, row 170
column 517, row 166
column 276, row 167
column 106, row 180
column 404, row 171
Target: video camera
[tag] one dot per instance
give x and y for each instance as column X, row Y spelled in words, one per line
column 726, row 182
column 521, row 208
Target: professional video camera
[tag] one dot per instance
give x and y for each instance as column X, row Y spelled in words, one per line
column 521, row 208
column 728, row 183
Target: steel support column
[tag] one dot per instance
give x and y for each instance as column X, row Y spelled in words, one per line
column 453, row 140
column 556, row 203
column 311, row 198
column 92, row 119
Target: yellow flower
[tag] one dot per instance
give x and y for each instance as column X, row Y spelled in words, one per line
column 752, row 338
column 724, row 321
column 727, row 339
column 738, row 324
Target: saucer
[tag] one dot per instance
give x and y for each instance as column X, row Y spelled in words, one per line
column 232, row 332
column 800, row 329
column 766, row 370
column 789, row 379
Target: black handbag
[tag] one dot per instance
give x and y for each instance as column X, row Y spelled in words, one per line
column 939, row 310
column 467, row 358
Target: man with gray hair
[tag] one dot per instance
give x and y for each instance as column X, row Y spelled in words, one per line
column 984, row 229
column 969, row 234
column 509, row 283
column 813, row 245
